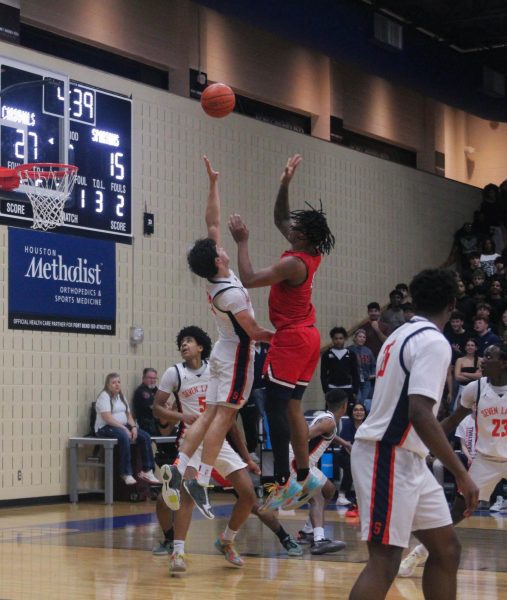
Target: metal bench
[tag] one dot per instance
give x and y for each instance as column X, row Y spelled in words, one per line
column 108, row 444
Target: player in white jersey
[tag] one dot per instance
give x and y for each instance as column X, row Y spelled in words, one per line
column 396, row 492
column 489, row 393
column 188, row 382
column 489, row 464
column 232, row 358
column 322, row 432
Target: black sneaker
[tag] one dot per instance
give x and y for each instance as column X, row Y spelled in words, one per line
column 292, row 547
column 326, row 546
column 304, row 538
column 199, row 494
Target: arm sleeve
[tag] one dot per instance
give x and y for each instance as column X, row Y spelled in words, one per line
column 169, row 381
column 233, row 300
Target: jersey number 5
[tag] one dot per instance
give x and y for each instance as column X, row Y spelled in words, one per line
column 202, row 403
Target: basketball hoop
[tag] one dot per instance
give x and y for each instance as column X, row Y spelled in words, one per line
column 48, row 185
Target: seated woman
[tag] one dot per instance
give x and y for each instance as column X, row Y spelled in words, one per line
column 342, row 458
column 114, row 420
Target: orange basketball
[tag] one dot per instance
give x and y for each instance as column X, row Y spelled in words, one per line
column 218, row 100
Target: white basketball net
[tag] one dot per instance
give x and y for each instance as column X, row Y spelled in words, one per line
column 48, row 186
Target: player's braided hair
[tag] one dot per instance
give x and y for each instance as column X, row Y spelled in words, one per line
column 312, row 223
column 199, row 335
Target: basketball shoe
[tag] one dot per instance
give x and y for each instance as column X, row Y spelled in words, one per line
column 326, row 546
column 498, row 505
column 163, row 549
column 280, row 494
column 292, row 547
column 228, row 549
column 177, row 563
column 416, row 558
column 171, row 483
column 310, row 486
column 199, row 494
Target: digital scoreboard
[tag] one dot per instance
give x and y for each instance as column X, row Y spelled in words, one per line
column 45, row 117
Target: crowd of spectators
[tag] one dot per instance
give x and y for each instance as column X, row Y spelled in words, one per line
column 479, row 257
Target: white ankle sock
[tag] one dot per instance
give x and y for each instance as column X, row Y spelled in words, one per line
column 229, row 534
column 179, row 547
column 308, row 527
column 318, row 534
column 183, row 460
column 204, row 474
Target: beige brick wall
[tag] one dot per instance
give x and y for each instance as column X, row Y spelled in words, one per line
column 389, row 222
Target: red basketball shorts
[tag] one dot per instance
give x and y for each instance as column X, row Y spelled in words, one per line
column 293, row 356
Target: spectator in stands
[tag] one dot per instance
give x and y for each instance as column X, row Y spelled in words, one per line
column 403, row 289
column 254, row 406
column 408, row 311
column 339, row 367
column 143, row 404
column 467, row 367
column 367, row 363
column 483, row 309
column 347, row 435
column 393, row 315
column 456, row 334
column 466, row 240
column 496, row 298
column 491, row 209
column 501, row 272
column 114, row 420
column 465, row 305
column 474, row 263
column 478, row 290
column 502, row 324
column 376, row 332
column 483, row 335
column 488, row 256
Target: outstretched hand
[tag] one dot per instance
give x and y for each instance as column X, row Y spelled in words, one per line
column 212, row 174
column 290, row 168
column 238, row 229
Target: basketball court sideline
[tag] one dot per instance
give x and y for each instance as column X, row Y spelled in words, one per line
column 92, row 551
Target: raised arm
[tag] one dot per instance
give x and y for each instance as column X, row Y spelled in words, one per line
column 290, row 269
column 282, row 210
column 212, row 215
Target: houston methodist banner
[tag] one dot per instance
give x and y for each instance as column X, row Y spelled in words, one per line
column 61, row 283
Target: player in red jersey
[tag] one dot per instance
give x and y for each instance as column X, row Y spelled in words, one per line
column 295, row 347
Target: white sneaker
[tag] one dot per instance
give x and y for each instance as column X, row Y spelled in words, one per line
column 128, row 479
column 149, row 477
column 416, row 558
column 342, row 501
column 498, row 505
column 504, row 506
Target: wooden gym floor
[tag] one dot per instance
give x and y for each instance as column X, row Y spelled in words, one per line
column 91, row 551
